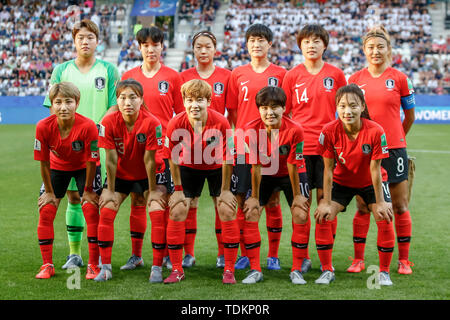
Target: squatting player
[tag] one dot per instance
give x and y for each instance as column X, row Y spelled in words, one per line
column 275, row 145
column 96, row 79
column 66, row 146
column 310, row 88
column 199, row 148
column 245, row 82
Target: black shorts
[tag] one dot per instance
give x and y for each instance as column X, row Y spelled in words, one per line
column 127, row 186
column 343, row 195
column 165, row 178
column 271, row 184
column 61, row 179
column 396, row 165
column 193, row 180
column 241, row 179
column 314, row 171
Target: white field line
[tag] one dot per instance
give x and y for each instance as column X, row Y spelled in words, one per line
column 428, row 151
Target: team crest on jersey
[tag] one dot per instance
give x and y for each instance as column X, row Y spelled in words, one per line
column 77, row 145
column 390, row 84
column 366, row 148
column 328, row 83
column 100, row 83
column 272, row 82
column 141, row 137
column 219, row 87
column 163, row 86
column 284, row 150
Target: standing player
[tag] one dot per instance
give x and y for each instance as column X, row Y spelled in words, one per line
column 199, row 147
column 280, row 148
column 162, row 96
column 66, row 146
column 311, row 88
column 357, row 145
column 131, row 137
column 96, row 79
column 204, row 46
column 386, row 91
column 245, row 82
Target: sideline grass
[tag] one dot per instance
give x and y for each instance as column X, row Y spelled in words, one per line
column 20, row 256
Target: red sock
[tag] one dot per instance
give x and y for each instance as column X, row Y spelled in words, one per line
column 106, row 233
column 385, row 243
column 334, row 227
column 191, row 231
column 361, row 224
column 308, row 230
column 231, row 236
column 175, row 240
column 166, row 221
column 299, row 242
column 252, row 239
column 92, row 218
column 45, row 232
column 274, row 223
column 403, row 227
column 158, row 236
column 219, row 236
column 138, row 225
column 240, row 216
column 324, row 243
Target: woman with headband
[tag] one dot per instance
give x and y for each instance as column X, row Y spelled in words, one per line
column 386, row 90
column 204, row 46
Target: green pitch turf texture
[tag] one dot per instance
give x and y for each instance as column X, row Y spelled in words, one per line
column 20, row 256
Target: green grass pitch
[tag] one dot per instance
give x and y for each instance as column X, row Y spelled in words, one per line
column 20, row 255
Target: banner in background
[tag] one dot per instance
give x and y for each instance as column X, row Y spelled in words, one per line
column 154, row 8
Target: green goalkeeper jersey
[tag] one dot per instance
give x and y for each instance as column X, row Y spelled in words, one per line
column 97, row 87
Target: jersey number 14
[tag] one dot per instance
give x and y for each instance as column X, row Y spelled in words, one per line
column 303, row 98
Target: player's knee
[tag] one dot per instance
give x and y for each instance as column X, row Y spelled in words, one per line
column 299, row 216
column 274, row 200
column 137, row 199
column 73, row 197
column 253, row 215
column 112, row 206
column 226, row 213
column 400, row 207
column 179, row 212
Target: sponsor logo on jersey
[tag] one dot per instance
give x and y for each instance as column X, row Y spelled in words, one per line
column 163, row 86
column 284, row 150
column 100, row 83
column 141, row 137
column 366, row 148
column 390, row 84
column 272, row 82
column 242, row 83
column 101, row 130
column 37, row 145
column 384, row 147
column 321, row 138
column 219, row 87
column 77, row 145
column 328, row 83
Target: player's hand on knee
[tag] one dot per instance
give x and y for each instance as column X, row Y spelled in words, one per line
column 106, row 197
column 47, row 198
column 158, row 197
column 383, row 210
column 251, row 207
column 300, row 202
column 90, row 197
column 323, row 212
column 176, row 198
column 227, row 198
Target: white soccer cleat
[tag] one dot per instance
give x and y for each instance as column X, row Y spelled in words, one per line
column 156, row 275
column 297, row 277
column 326, row 277
column 385, row 279
column 254, row 276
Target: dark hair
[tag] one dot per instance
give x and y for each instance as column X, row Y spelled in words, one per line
column 153, row 33
column 133, row 85
column 259, row 30
column 353, row 89
column 205, row 33
column 311, row 30
column 270, row 96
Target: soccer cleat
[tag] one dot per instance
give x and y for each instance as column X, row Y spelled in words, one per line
column 188, row 261
column 242, row 263
column 228, row 277
column 356, row 266
column 220, row 262
column 254, row 276
column 175, row 276
column 105, row 273
column 92, row 271
column 73, row 261
column 46, row 271
column 306, row 265
column 297, row 277
column 384, row 279
column 404, row 267
column 132, row 263
column 273, row 263
column 167, row 263
column 156, row 274
column 322, row 270
column 326, row 277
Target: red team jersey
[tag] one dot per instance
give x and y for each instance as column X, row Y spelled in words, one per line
column 382, row 96
column 353, row 157
column 162, row 94
column 311, row 99
column 131, row 146
column 243, row 86
column 202, row 152
column 70, row 153
column 289, row 145
column 218, row 82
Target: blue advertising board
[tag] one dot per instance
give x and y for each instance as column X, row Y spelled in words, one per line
column 154, row 8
